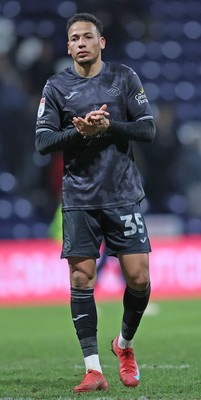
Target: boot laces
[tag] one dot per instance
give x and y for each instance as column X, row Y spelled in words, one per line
column 127, row 361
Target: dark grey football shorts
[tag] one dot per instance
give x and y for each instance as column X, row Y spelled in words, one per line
column 123, row 230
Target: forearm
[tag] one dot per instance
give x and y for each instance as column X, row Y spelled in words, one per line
column 140, row 131
column 48, row 141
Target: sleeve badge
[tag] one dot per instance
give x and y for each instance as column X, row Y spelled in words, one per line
column 41, row 107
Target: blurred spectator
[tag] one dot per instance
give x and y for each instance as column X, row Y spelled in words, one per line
column 158, row 161
column 39, row 67
column 13, row 102
column 156, row 40
column 188, row 168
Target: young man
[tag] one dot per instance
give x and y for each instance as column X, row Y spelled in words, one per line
column 94, row 112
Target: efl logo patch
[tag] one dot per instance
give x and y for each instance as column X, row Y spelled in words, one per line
column 41, row 108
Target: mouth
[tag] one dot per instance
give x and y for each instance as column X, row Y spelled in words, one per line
column 83, row 53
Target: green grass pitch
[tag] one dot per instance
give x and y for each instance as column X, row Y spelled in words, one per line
column 40, row 357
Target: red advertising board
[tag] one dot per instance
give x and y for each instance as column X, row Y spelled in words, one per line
column 31, row 271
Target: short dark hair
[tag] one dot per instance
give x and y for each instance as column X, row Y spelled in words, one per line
column 87, row 18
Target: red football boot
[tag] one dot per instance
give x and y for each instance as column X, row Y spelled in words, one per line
column 128, row 368
column 93, row 380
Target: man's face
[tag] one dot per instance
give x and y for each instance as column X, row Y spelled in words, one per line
column 84, row 43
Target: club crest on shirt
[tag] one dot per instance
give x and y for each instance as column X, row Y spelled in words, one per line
column 41, row 107
column 114, row 91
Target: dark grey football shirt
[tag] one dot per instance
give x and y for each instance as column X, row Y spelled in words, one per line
column 100, row 171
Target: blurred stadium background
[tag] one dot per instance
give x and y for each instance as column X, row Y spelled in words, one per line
column 161, row 41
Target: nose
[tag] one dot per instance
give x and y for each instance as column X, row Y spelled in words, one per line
column 81, row 42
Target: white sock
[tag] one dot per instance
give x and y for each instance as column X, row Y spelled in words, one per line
column 123, row 343
column 92, row 362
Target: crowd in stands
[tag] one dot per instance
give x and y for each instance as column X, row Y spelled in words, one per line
column 161, row 42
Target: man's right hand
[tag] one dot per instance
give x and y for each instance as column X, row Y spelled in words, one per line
column 95, row 121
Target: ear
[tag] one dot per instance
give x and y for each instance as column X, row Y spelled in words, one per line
column 68, row 49
column 102, row 42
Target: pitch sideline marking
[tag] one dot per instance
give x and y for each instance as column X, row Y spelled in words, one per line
column 68, row 398
column 165, row 366
column 144, row 366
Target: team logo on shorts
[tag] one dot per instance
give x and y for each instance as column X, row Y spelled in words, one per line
column 41, row 108
column 67, row 245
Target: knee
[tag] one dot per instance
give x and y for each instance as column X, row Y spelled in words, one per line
column 140, row 281
column 80, row 280
column 82, row 272
column 139, row 278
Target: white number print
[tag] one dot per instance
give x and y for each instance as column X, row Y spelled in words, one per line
column 132, row 227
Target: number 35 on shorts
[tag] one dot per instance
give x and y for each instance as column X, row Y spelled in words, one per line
column 132, row 223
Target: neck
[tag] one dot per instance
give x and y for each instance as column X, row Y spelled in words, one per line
column 88, row 70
